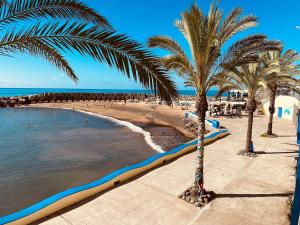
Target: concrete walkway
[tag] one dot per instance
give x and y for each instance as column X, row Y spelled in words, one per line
column 252, row 191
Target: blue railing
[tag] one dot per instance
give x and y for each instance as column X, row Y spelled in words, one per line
column 296, row 202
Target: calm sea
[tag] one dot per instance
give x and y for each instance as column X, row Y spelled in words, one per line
column 11, row 92
column 46, row 151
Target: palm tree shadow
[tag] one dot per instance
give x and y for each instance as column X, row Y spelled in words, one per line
column 290, row 144
column 291, row 135
column 230, row 195
column 271, row 153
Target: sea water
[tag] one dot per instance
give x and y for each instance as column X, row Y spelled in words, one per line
column 46, row 151
column 12, row 92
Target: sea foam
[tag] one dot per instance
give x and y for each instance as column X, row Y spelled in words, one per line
column 131, row 126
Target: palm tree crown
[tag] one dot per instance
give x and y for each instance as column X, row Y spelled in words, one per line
column 48, row 28
column 282, row 67
column 206, row 36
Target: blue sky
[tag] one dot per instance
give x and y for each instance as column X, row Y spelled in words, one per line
column 141, row 19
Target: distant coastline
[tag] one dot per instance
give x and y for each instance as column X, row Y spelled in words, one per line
column 13, row 92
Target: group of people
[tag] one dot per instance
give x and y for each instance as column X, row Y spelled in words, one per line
column 226, row 109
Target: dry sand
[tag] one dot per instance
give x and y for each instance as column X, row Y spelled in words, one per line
column 251, row 191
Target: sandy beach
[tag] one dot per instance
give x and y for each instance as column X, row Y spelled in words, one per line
column 251, row 191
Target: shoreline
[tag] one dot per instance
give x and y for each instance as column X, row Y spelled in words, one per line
column 164, row 134
column 134, row 128
column 153, row 133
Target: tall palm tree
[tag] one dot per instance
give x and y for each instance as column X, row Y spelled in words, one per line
column 206, row 36
column 48, row 28
column 250, row 77
column 282, row 66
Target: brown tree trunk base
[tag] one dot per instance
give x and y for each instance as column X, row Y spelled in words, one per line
column 193, row 196
column 248, row 154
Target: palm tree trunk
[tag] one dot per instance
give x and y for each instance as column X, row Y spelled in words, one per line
column 201, row 107
column 251, row 106
column 271, row 111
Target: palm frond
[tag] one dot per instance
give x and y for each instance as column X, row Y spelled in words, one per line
column 37, row 48
column 3, row 2
column 295, row 88
column 225, row 88
column 248, row 49
column 229, row 21
column 62, row 9
column 280, row 68
column 103, row 45
column 281, row 80
column 177, row 63
column 166, row 43
column 233, row 24
column 189, row 83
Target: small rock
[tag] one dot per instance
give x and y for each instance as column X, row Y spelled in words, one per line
column 206, row 200
column 200, row 200
column 197, row 204
column 192, row 201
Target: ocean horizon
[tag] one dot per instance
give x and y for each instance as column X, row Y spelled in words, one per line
column 14, row 92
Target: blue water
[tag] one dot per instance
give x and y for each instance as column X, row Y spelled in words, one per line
column 46, row 151
column 12, row 92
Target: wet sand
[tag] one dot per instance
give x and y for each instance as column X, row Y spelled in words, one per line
column 165, row 123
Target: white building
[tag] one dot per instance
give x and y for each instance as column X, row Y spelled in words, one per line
column 286, row 107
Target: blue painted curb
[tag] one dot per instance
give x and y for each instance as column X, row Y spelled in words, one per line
column 213, row 123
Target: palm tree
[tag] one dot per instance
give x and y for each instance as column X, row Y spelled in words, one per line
column 206, row 36
column 250, row 77
column 282, row 66
column 48, row 28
